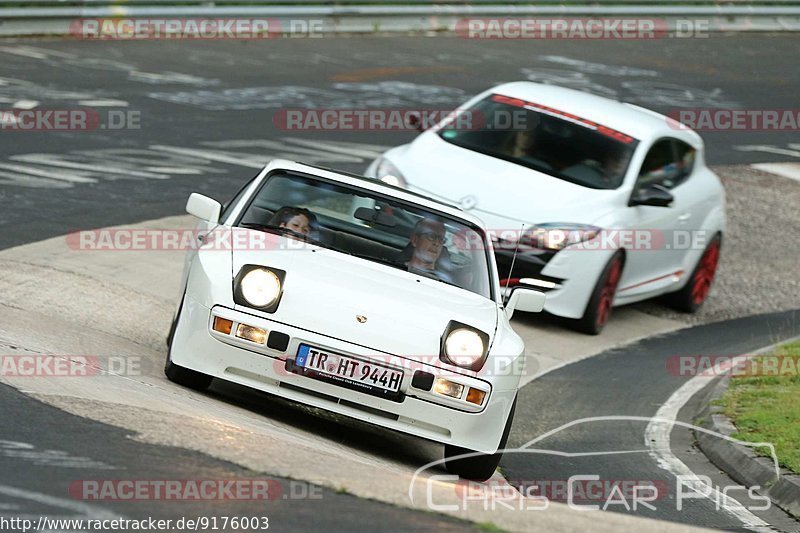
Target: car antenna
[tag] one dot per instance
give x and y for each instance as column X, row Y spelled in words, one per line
column 514, row 257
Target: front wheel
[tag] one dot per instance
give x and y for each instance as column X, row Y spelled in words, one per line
column 598, row 310
column 691, row 297
column 477, row 467
column 185, row 376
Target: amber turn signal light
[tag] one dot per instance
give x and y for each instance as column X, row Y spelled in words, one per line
column 475, row 396
column 223, row 325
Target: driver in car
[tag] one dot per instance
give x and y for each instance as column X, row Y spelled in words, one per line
column 428, row 255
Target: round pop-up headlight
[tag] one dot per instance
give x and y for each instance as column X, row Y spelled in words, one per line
column 260, row 287
column 464, row 347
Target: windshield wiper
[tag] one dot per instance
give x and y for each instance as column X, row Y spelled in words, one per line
column 280, row 230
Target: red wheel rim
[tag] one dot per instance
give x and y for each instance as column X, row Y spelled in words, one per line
column 704, row 274
column 607, row 292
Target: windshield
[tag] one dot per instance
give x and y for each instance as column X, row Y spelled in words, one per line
column 372, row 227
column 545, row 139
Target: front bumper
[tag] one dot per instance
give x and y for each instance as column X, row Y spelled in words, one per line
column 568, row 276
column 197, row 347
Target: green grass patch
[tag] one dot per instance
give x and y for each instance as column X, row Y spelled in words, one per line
column 490, row 527
column 766, row 408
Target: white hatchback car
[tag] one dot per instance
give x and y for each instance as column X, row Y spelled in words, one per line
column 350, row 295
column 597, row 202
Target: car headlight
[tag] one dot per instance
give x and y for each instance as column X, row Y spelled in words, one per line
column 259, row 287
column 558, row 235
column 464, row 346
column 388, row 173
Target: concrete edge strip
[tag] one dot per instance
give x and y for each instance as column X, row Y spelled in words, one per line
column 740, row 462
column 657, row 438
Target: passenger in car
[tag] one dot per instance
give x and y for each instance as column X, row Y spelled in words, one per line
column 521, row 143
column 524, row 145
column 296, row 219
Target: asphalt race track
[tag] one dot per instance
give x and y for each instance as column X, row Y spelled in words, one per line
column 206, row 118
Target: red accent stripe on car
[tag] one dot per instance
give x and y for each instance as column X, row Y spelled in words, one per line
column 676, row 273
column 605, row 130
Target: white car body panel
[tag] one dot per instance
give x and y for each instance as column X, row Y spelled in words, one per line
column 322, row 294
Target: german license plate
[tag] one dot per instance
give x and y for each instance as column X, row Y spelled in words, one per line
column 350, row 372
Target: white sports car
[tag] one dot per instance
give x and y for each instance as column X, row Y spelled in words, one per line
column 350, row 295
column 597, row 202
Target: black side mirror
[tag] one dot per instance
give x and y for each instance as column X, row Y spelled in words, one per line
column 653, row 195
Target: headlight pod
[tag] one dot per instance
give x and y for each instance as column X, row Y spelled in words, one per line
column 388, row 173
column 464, row 346
column 259, row 287
column 558, row 235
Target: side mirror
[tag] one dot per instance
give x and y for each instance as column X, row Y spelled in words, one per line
column 527, row 300
column 203, row 208
column 653, row 195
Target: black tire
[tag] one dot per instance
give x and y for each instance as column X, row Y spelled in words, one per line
column 174, row 324
column 691, row 297
column 598, row 310
column 172, row 329
column 477, row 467
column 178, row 374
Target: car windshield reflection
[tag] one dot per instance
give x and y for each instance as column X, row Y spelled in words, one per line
column 541, row 138
column 373, row 227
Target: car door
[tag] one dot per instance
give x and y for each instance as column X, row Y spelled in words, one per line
column 694, row 196
column 654, row 265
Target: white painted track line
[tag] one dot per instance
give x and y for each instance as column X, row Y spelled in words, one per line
column 786, row 170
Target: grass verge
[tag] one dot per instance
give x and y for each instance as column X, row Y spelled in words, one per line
column 765, row 404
